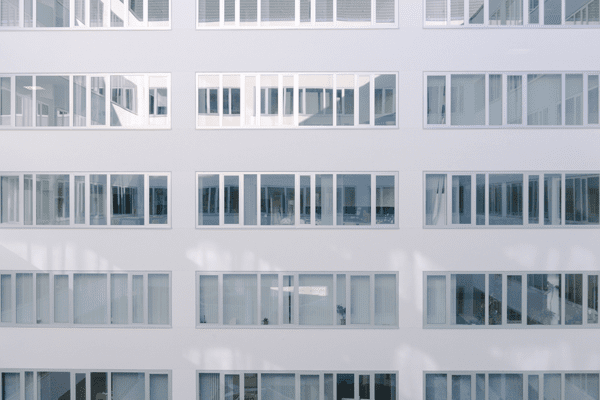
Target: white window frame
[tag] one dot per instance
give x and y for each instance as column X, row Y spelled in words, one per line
column 140, row 102
column 71, row 323
column 297, row 223
column 297, row 111
column 87, row 194
column 88, row 372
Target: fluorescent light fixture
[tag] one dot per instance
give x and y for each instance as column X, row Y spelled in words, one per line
column 33, row 87
column 312, row 290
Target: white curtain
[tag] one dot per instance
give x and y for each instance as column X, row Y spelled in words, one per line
column 435, row 199
column 137, row 299
column 61, row 298
column 278, row 387
column 581, row 387
column 436, row 387
column 209, row 300
column 42, row 288
column 436, row 299
column 24, row 298
column 508, row 386
column 9, row 198
column 239, row 299
column 11, row 386
column 5, row 298
column 309, row 387
column 209, row 386
column 385, row 300
column 316, row 299
column 128, row 386
column 360, row 299
column 118, row 299
column 269, row 300
column 89, row 298
column 158, row 299
column 159, row 387
column 461, row 387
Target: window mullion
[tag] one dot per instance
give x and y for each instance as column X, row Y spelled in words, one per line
column 297, row 196
column 87, row 14
column 449, row 196
column 107, row 93
column 280, row 299
column 296, row 294
column 486, row 12
column 541, row 8
column 258, row 14
column 297, row 382
column 145, row 297
column 335, row 22
column 21, row 13
column 486, row 198
column 33, row 15
column 296, row 12
column 72, row 23
column 562, row 22
column 34, row 199
column 473, row 200
column 466, row 13
column 523, row 299
column 348, row 300
column 356, row 98
column 146, row 200
column 22, row 385
column 241, row 199
column 296, row 103
column 373, row 15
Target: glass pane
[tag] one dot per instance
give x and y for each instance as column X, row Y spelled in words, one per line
column 6, row 298
column 288, row 299
column 506, row 12
column 324, row 10
column 468, row 299
column 341, row 299
column 316, row 299
column 24, row 298
column 5, row 93
column 24, row 101
column 79, row 98
column 505, row 386
column 436, row 387
column 232, row 200
column 353, row 10
column 61, row 299
column 480, row 387
column 582, row 199
column 573, row 299
column 209, row 300
column 158, row 199
column 581, row 386
column 316, row 100
column 534, row 12
column 385, row 386
column 385, row 107
column 118, row 299
column 127, row 386
column 364, row 99
column 80, row 387
column 461, row 199
column 360, row 299
column 476, row 12
column 435, row 12
column 29, row 393
column 592, row 312
column 277, row 199
column 345, row 100
column 11, row 386
column 98, row 89
column 239, row 299
column 98, row 199
column 250, row 204
column 436, row 299
column 552, row 199
column 468, row 99
column 54, row 385
column 9, row 199
column 480, row 200
column 385, row 199
column 593, row 98
column 552, row 387
column 208, row 199
column 209, row 387
column 137, row 299
column 99, row 385
column 552, row 12
column 495, row 299
column 324, row 199
column 158, row 299
column 28, row 199
column 309, row 387
column 251, row 387
column 385, row 300
column 435, row 199
column 52, row 201
column 514, row 295
column 543, row 299
column 461, row 387
column 544, row 96
column 79, row 200
column 574, row 99
column 345, row 386
column 232, row 387
column 208, row 11
column 534, row 387
column 534, row 199
column 278, row 386
column 506, row 199
column 159, row 387
column 457, row 12
column 89, row 298
column 328, row 386
column 436, row 95
column 495, row 95
column 127, row 199
column 364, row 387
column 269, row 299
column 514, row 99
column 353, row 199
column 52, row 95
column 42, row 287
column 305, row 199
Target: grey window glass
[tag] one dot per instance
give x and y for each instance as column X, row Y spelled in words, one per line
column 345, row 386
column 436, row 96
column 581, row 199
column 98, row 201
column 552, row 199
column 158, row 299
column 324, row 10
column 581, row 386
column 202, row 104
column 514, row 99
column 592, row 300
column 42, row 287
column 9, row 13
column 353, row 199
column 229, row 10
column 435, row 11
column 476, row 11
column 436, row 299
column 552, row 12
column 28, row 199
column 364, row 99
column 385, row 299
column 269, row 295
column 364, row 386
column 61, row 299
column 305, row 201
column 52, row 201
column 461, row 199
column 495, row 299
column 208, row 11
column 159, row 387
column 436, row 387
column 24, row 297
column 593, row 97
column 495, row 99
column 54, row 385
column 127, row 386
column 232, row 199
column 506, row 199
column 506, row 12
column 288, row 299
column 318, row 102
column 278, row 386
column 208, row 200
column 468, row 299
column 239, row 299
column 89, row 298
column 248, row 10
column 277, row 199
column 328, row 386
column 118, row 299
column 29, row 392
column 232, row 387
column 514, row 296
column 52, row 13
column 79, row 199
column 250, row 202
column 309, row 387
column 305, row 10
column 574, row 99
column 461, row 387
column 345, row 105
column 127, row 199
column 385, row 107
column 99, row 383
column 98, row 99
column 225, row 101
column 544, row 98
column 544, row 299
column 24, row 101
column 158, row 10
column 457, row 12
column 480, row 199
column 435, row 199
column 385, row 11
column 213, row 99
column 534, row 199
column 209, row 299
column 385, row 199
column 250, row 386
column 360, row 299
column 468, row 99
column 533, row 382
column 9, row 199
column 288, row 101
column 505, row 386
column 137, row 298
column 354, row 10
column 552, row 387
column 5, row 298
column 480, row 387
column 324, row 199
column 534, row 11
column 5, row 94
column 315, row 299
column 340, row 304
column 573, row 299
column 385, row 386
column 158, row 198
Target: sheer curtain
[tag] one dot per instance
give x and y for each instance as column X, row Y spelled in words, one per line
column 506, row 386
column 9, row 197
column 209, row 387
column 278, row 386
column 435, row 199
column 360, row 299
column 11, row 386
column 24, row 298
column 209, row 301
column 269, row 299
column 42, row 288
column 158, row 299
column 118, row 299
column 316, row 299
column 239, row 299
column 309, row 387
column 581, row 387
column 436, row 299
column 436, row 387
column 385, row 300
column 159, row 387
column 89, row 298
column 127, row 386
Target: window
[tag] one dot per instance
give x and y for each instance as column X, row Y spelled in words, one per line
column 91, row 384
column 132, row 299
column 293, row 300
column 296, row 14
column 43, row 101
column 514, row 385
column 512, row 100
column 296, row 100
column 86, row 14
column 511, row 299
column 502, row 199
column 263, row 385
column 284, row 199
column 82, row 200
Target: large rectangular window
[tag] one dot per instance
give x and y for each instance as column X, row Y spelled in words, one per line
column 293, row 100
column 511, row 300
column 512, row 199
column 295, row 299
column 96, row 101
column 133, row 299
column 84, row 200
